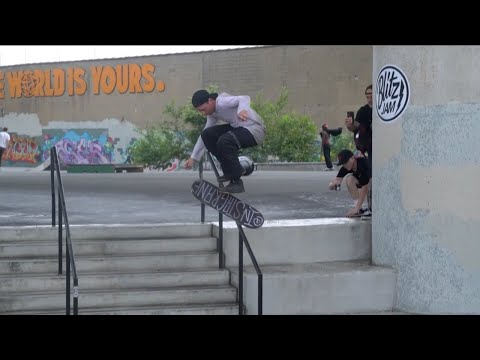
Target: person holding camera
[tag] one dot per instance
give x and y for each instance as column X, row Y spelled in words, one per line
column 362, row 126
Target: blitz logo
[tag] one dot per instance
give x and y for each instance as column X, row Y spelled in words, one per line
column 392, row 93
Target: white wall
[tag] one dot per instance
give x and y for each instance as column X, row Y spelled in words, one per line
column 426, row 169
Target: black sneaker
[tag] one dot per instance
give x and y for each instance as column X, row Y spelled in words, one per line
column 223, row 178
column 234, row 187
column 367, row 214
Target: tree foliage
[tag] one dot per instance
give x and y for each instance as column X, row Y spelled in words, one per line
column 187, row 119
column 161, row 144
column 290, row 136
column 158, row 146
column 340, row 142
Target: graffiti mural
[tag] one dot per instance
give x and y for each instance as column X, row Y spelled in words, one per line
column 79, row 146
column 22, row 151
column 125, row 152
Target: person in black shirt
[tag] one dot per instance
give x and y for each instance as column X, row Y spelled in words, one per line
column 358, row 183
column 362, row 127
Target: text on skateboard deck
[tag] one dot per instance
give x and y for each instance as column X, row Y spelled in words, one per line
column 227, row 204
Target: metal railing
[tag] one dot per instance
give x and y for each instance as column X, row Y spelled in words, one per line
column 242, row 239
column 71, row 270
column 221, row 258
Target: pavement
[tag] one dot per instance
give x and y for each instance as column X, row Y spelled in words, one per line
column 162, row 197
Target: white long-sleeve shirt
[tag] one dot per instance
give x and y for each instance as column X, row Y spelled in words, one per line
column 227, row 109
column 4, row 139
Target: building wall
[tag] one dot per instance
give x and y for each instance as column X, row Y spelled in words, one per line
column 426, row 167
column 98, row 104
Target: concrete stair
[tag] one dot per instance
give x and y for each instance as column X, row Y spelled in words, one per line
column 132, row 297
column 315, row 266
column 176, row 309
column 337, row 287
column 164, row 269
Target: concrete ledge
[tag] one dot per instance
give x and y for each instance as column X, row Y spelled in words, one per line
column 103, row 168
column 91, row 168
column 300, row 241
column 128, row 168
column 295, row 166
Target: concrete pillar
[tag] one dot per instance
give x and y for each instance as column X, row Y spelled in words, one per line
column 426, row 176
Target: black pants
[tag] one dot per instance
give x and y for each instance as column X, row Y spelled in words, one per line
column 224, row 141
column 368, row 155
column 1, row 154
column 326, row 154
column 370, row 160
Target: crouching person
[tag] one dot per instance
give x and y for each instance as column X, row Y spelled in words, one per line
column 358, row 177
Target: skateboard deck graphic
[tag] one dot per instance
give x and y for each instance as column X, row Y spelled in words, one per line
column 227, row 204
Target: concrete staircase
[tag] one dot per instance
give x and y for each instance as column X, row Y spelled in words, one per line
column 163, row 269
column 317, row 266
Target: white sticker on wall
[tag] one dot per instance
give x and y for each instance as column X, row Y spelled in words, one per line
column 392, row 93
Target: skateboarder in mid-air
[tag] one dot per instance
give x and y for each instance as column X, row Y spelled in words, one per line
column 244, row 128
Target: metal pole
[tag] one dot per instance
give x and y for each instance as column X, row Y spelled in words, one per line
column 67, row 265
column 257, row 269
column 260, row 294
column 60, row 235
column 75, row 296
column 202, row 205
column 240, row 274
column 221, row 260
column 52, row 184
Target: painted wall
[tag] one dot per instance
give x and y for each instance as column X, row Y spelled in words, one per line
column 118, row 96
column 425, row 172
column 103, row 142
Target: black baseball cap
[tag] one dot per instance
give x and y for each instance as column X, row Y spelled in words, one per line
column 200, row 97
column 344, row 156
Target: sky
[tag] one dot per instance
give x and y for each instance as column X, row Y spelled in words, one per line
column 18, row 54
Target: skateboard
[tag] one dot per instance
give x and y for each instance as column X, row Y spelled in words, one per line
column 227, row 204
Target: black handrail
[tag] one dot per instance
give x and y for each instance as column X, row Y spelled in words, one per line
column 242, row 239
column 221, row 258
column 202, row 205
column 62, row 213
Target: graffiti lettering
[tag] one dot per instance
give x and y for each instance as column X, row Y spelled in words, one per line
column 2, row 86
column 22, row 149
column 125, row 77
column 134, row 78
column 227, row 204
column 79, row 146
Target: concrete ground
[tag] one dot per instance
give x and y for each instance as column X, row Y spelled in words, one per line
column 162, row 197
